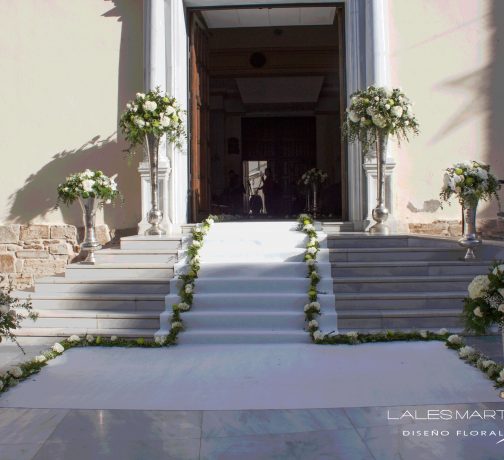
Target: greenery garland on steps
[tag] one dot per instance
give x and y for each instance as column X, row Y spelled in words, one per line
column 312, row 308
column 188, row 279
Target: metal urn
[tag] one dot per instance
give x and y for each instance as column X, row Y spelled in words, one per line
column 470, row 239
column 380, row 212
column 155, row 215
column 90, row 244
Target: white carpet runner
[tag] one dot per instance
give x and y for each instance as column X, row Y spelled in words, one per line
column 252, row 286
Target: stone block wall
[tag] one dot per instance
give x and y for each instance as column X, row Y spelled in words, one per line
column 28, row 252
column 488, row 228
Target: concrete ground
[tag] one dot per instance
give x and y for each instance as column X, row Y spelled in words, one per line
column 356, row 431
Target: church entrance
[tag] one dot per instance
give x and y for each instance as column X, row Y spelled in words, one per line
column 266, row 104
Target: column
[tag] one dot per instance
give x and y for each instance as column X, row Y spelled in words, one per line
column 155, row 76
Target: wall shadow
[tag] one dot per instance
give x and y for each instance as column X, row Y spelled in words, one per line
column 37, row 197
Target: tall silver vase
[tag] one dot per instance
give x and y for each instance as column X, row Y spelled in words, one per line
column 155, row 215
column 90, row 245
column 470, row 239
column 380, row 213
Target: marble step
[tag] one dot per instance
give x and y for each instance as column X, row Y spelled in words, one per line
column 119, row 271
column 88, row 319
column 62, row 332
column 258, row 285
column 399, row 300
column 62, row 285
column 258, row 302
column 337, row 227
column 378, row 284
column 140, row 242
column 114, row 302
column 164, row 256
column 409, row 268
column 257, row 255
column 257, row 270
column 399, row 319
column 259, row 320
column 395, row 254
column 240, row 337
column 368, row 240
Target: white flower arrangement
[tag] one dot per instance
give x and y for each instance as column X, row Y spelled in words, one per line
column 188, row 288
column 153, row 113
column 58, row 348
column 443, row 331
column 313, row 176
column 318, row 336
column 352, row 334
column 469, row 181
column 501, row 376
column 455, row 339
column 90, row 338
column 378, row 109
column 478, row 286
column 12, row 313
column 40, row 359
column 113, row 338
column 310, row 262
column 74, row 339
column 16, row 372
column 88, row 184
column 466, row 351
column 423, row 334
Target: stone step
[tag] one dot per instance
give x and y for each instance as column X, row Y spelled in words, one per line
column 62, row 285
column 337, row 227
column 119, row 271
column 368, row 240
column 240, row 337
column 257, row 255
column 399, row 319
column 399, row 300
column 164, row 256
column 114, row 302
column 82, row 331
column 140, row 242
column 254, row 285
column 378, row 284
column 409, row 268
column 258, row 302
column 395, row 254
column 244, row 320
column 257, row 270
column 89, row 319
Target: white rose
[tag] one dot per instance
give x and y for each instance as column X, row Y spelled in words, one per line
column 455, row 339
column 500, row 379
column 58, row 348
column 477, row 312
column 150, row 106
column 196, row 244
column 443, row 331
column 4, row 309
column 352, row 334
column 315, row 306
column 182, row 306
column 169, row 111
column 353, row 117
column 379, row 120
column 113, row 338
column 164, row 121
column 160, row 339
column 74, row 339
column 310, row 262
column 16, row 372
column 89, row 338
column 423, row 334
column 188, row 288
column 210, row 221
column 313, row 324
column 370, row 111
column 139, row 122
column 176, row 325
column 466, row 351
column 140, row 95
column 397, row 111
column 478, row 286
column 40, row 359
column 487, row 363
column 311, row 250
column 482, row 173
column 318, row 336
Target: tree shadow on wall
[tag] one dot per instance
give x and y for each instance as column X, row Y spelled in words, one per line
column 38, row 196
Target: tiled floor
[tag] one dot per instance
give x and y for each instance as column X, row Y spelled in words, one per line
column 351, row 433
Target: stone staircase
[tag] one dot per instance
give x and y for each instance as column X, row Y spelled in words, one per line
column 393, row 282
column 123, row 294
column 399, row 281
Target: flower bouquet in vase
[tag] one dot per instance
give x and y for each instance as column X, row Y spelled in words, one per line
column 312, row 180
column 484, row 306
column 470, row 182
column 92, row 189
column 375, row 114
column 148, row 119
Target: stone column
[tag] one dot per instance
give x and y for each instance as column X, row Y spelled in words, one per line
column 155, row 76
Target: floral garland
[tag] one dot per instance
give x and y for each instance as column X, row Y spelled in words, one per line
column 88, row 184
column 375, row 110
column 188, row 279
column 312, row 308
column 470, row 181
column 484, row 306
column 23, row 371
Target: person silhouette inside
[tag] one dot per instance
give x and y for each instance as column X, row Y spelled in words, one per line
column 270, row 189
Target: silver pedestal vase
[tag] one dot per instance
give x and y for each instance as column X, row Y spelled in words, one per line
column 470, row 239
column 155, row 215
column 90, row 245
column 380, row 213
column 314, row 209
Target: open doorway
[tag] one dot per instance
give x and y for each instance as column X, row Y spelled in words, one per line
column 267, row 93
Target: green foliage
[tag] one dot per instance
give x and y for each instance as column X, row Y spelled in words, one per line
column 379, row 110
